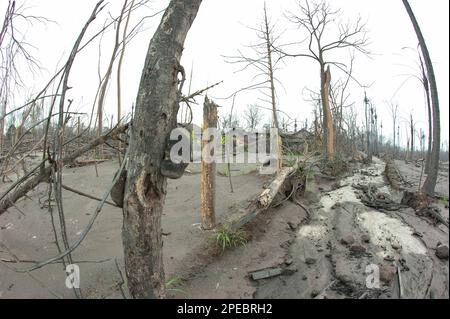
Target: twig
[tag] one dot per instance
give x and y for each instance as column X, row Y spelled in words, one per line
column 121, row 278
column 88, row 227
column 70, row 189
column 7, row 200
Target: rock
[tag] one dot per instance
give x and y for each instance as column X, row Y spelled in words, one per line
column 293, row 225
column 337, row 205
column 267, row 273
column 358, row 249
column 365, row 238
column 304, row 277
column 285, row 245
column 396, row 246
column 310, row 261
column 289, row 272
column 387, row 273
column 347, row 240
column 442, row 252
column 289, row 261
column 343, row 272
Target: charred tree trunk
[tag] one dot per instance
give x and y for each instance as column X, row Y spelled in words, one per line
column 208, row 181
column 328, row 130
column 430, row 182
column 157, row 105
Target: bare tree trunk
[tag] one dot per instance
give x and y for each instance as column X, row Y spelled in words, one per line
column 208, row 180
column 104, row 85
column 412, row 137
column 328, row 129
column 430, row 182
column 395, row 139
column 270, row 67
column 272, row 87
column 426, row 86
column 2, row 128
column 157, row 106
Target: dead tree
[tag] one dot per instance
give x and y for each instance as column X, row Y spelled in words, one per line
column 39, row 175
column 266, row 61
column 339, row 100
column 411, row 128
column 430, row 182
column 426, row 86
column 371, row 127
column 394, row 112
column 208, row 178
column 14, row 51
column 253, row 116
column 316, row 18
column 157, row 106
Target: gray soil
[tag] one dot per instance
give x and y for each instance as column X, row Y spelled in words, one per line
column 328, row 255
column 323, row 256
column 26, row 232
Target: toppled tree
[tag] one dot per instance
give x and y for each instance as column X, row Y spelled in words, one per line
column 157, row 106
column 430, row 182
column 316, row 18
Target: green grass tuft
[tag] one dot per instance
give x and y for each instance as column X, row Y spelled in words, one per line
column 226, row 238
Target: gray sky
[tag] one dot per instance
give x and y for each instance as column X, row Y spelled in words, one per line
column 220, row 29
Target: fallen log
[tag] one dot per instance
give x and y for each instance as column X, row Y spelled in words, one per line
column 10, row 197
column 267, row 197
column 243, row 215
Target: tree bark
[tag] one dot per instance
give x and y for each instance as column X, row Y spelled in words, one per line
column 208, row 179
column 412, row 137
column 157, row 105
column 426, row 86
column 430, row 182
column 328, row 130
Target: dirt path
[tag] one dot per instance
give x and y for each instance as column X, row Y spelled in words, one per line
column 344, row 237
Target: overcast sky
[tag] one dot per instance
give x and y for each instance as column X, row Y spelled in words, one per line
column 221, row 30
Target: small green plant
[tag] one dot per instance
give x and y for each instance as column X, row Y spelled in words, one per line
column 174, row 284
column 226, row 238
